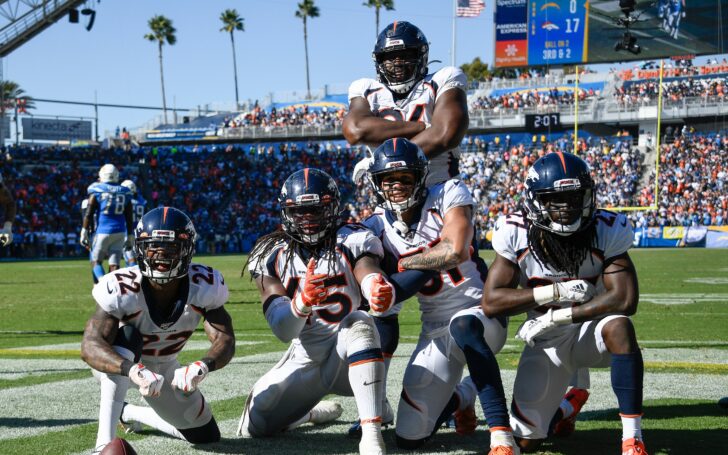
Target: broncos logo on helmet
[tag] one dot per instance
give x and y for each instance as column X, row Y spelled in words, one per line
column 164, row 242
column 398, row 155
column 400, row 56
column 559, row 194
column 309, row 203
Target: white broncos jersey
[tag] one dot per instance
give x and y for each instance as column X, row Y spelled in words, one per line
column 614, row 237
column 455, row 289
column 353, row 241
column 120, row 293
column 417, row 106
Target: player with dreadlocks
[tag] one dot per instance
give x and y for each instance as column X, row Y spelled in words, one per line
column 578, row 287
column 311, row 277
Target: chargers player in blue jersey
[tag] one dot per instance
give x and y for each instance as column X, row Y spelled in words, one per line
column 8, row 204
column 138, row 207
column 112, row 202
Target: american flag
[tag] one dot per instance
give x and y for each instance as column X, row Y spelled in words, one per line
column 469, row 8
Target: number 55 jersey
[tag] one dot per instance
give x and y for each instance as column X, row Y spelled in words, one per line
column 123, row 295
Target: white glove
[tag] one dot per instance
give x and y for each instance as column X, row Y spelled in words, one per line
column 569, row 291
column 361, row 169
column 6, row 234
column 187, row 378
column 149, row 382
column 533, row 328
column 83, row 238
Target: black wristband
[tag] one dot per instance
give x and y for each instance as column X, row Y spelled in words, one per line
column 126, row 366
column 210, row 362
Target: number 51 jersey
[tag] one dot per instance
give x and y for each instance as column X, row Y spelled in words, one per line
column 120, row 293
column 455, row 289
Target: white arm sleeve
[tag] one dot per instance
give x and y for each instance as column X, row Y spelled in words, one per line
column 283, row 321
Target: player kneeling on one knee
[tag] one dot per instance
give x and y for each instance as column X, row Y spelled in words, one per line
column 144, row 316
column 578, row 288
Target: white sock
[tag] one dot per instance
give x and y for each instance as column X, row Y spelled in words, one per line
column 501, row 437
column 150, row 418
column 631, row 427
column 113, row 392
column 367, row 376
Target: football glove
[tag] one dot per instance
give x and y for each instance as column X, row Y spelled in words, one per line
column 533, row 328
column 378, row 291
column 569, row 291
column 187, row 378
column 6, row 234
column 360, row 169
column 83, row 238
column 314, row 291
column 149, row 382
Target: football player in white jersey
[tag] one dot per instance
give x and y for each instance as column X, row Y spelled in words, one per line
column 578, row 285
column 311, row 277
column 144, row 316
column 9, row 209
column 432, row 229
column 405, row 101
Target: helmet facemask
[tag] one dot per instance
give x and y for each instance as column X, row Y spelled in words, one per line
column 163, row 260
column 562, row 211
column 401, row 68
column 310, row 219
column 391, row 187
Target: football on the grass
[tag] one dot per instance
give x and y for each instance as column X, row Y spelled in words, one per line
column 118, row 446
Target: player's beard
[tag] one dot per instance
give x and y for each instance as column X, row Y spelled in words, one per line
column 562, row 253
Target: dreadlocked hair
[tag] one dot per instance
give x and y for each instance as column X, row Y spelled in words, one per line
column 265, row 244
column 562, row 253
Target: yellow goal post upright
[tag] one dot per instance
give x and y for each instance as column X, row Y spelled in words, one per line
column 655, row 204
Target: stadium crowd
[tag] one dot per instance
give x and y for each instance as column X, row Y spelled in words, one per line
column 709, row 89
column 231, row 191
column 533, row 98
column 286, row 116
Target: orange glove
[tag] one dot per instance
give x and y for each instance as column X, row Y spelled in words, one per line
column 314, row 291
column 378, row 291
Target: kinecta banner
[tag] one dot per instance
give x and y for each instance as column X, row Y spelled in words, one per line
column 682, row 236
column 50, row 129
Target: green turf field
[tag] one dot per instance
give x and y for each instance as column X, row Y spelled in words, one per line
column 49, row 401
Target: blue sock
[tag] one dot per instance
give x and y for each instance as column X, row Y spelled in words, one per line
column 467, row 331
column 388, row 328
column 627, row 374
column 98, row 271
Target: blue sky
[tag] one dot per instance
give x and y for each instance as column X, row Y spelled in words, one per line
column 114, row 63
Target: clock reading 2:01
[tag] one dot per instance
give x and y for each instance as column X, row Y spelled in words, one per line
column 543, row 122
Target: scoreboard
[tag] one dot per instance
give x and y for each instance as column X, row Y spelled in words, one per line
column 541, row 32
column 568, row 32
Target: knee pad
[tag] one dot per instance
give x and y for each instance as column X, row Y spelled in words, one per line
column 361, row 336
column 205, row 434
column 129, row 342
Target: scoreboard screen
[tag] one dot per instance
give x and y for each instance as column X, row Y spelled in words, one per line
column 568, row 32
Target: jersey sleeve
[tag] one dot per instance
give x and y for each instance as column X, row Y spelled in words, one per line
column 360, row 241
column 217, row 294
column 107, row 295
column 266, row 265
column 504, row 239
column 358, row 88
column 617, row 238
column 374, row 224
column 456, row 194
column 448, row 78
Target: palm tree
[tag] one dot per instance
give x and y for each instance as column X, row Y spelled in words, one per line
column 13, row 96
column 231, row 21
column 305, row 10
column 162, row 32
column 377, row 5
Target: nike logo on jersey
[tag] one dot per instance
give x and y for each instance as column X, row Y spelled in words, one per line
column 108, row 288
column 373, row 382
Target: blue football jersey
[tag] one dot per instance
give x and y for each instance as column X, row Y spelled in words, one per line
column 112, row 199
column 138, row 205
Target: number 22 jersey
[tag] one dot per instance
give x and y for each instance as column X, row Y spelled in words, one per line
column 120, row 293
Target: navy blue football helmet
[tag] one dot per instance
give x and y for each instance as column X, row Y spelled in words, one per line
column 309, row 203
column 164, row 242
column 559, row 194
column 401, row 37
column 396, row 155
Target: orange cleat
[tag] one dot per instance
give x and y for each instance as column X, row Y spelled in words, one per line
column 566, row 426
column 504, row 450
column 466, row 421
column 633, row 446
